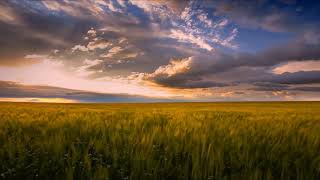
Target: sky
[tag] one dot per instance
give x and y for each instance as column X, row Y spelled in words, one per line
column 159, row 50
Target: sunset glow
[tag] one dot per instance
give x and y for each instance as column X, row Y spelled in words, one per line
column 164, row 50
column 42, row 100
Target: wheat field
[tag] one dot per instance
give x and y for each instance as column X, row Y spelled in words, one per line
column 275, row 140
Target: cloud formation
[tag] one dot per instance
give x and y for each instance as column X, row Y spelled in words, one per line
column 218, row 49
column 18, row 91
column 199, row 68
column 266, row 15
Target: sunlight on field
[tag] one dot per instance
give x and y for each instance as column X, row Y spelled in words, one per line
column 160, row 141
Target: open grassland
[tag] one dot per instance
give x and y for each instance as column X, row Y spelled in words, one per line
column 160, row 141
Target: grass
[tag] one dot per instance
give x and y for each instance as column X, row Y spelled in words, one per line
column 160, row 141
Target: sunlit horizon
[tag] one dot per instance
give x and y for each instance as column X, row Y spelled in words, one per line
column 160, row 50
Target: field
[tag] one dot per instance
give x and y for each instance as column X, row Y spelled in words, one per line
column 160, row 141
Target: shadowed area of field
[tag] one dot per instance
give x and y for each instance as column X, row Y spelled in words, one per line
column 265, row 140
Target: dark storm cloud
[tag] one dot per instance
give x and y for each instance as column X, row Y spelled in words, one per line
column 15, row 90
column 263, row 86
column 301, row 77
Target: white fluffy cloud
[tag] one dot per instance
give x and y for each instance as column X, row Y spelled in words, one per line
column 188, row 37
column 90, row 63
column 95, row 44
column 92, row 32
column 113, row 51
column 79, row 47
column 174, row 67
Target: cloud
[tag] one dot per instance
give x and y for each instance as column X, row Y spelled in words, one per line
column 307, row 88
column 67, row 22
column 175, row 6
column 301, row 77
column 178, row 74
column 92, row 62
column 36, row 56
column 86, row 69
column 261, row 14
column 184, row 37
column 115, row 49
column 33, row 30
column 54, row 72
column 115, row 6
column 298, row 66
column 209, row 66
column 203, row 18
column 267, row 86
column 231, row 93
column 206, row 31
column 17, row 91
column 131, row 55
column 95, row 44
column 300, row 50
column 152, row 7
column 91, row 32
column 185, row 27
column 287, row 95
column 79, row 47
column 173, row 68
column 8, row 15
column 174, row 45
column 112, row 52
column 99, row 44
column 82, row 9
column 61, row 6
column 123, row 40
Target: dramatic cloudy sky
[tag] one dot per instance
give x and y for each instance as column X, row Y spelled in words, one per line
column 159, row 50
